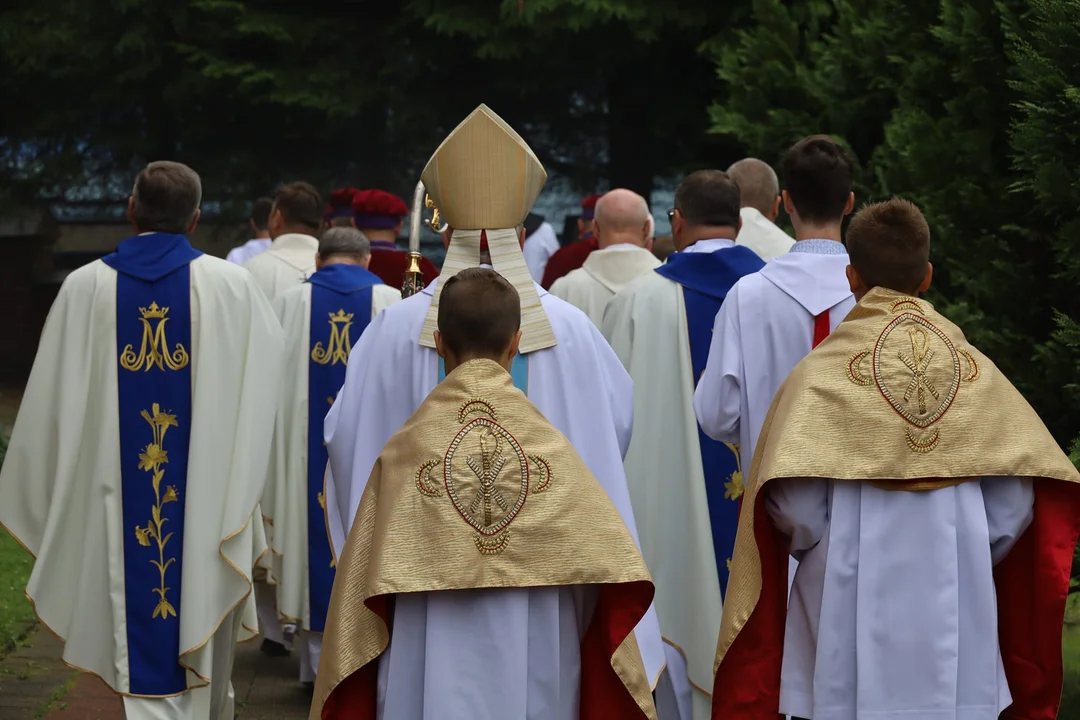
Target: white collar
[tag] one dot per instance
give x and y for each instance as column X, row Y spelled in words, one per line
column 709, row 246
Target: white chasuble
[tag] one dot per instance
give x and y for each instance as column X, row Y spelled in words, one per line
column 323, row 319
column 683, row 486
column 605, row 272
column 580, row 387
column 288, row 262
column 137, row 461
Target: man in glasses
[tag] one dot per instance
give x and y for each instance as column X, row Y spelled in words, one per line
column 682, row 484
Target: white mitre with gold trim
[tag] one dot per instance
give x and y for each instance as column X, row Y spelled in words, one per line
column 484, row 179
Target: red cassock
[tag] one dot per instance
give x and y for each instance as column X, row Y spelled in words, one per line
column 567, row 259
column 390, row 265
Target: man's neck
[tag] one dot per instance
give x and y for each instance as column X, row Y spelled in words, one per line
column 262, row 235
column 380, row 235
column 296, row 230
column 605, row 241
column 339, row 260
column 816, row 231
column 705, row 232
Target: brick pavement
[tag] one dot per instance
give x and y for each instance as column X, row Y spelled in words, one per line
column 36, row 685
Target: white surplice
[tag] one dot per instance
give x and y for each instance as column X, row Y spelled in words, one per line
column 677, row 539
column 289, row 261
column 911, row 632
column 538, row 248
column 581, row 388
column 762, row 235
column 605, row 272
column 764, row 328
column 253, row 247
column 287, row 485
column 60, row 491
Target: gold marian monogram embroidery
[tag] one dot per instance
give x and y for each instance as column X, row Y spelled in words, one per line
column 154, row 351
column 151, row 460
column 489, row 488
column 337, row 349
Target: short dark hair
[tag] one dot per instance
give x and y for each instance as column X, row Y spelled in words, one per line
column 300, row 204
column 708, row 197
column 889, row 245
column 166, row 196
column 260, row 212
column 817, row 176
column 479, row 312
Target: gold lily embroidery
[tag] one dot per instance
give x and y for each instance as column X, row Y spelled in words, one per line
column 154, row 351
column 151, row 460
column 733, row 488
column 322, row 504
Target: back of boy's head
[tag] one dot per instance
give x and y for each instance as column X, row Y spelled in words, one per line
column 889, row 245
column 479, row 313
column 817, row 177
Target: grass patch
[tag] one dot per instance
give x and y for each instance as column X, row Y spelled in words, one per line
column 16, row 614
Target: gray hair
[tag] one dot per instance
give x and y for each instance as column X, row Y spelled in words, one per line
column 344, row 241
column 758, row 184
column 165, row 197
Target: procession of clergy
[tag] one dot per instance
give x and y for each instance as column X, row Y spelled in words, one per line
column 762, row 478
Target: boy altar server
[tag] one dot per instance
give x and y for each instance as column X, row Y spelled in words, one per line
column 933, row 515
column 139, row 456
column 484, row 179
column 484, row 545
column 322, row 319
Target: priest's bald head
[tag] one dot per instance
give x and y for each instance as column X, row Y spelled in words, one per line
column 622, row 217
column 165, row 199
column 759, row 188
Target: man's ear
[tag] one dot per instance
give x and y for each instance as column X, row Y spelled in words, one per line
column 850, row 203
column 194, row 221
column 131, row 211
column 439, row 348
column 318, row 261
column 776, row 209
column 925, row 284
column 521, row 237
column 789, row 207
column 446, row 235
column 738, row 226
column 512, row 349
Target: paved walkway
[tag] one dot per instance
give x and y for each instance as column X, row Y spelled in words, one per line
column 36, row 685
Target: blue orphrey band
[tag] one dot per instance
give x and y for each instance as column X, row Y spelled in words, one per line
column 340, row 312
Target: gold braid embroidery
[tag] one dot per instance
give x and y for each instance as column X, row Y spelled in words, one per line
column 423, row 480
column 151, row 460
column 545, row 473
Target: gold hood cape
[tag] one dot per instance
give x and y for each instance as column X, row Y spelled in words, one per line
column 897, row 397
column 479, row 490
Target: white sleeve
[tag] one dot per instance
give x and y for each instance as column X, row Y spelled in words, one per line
column 799, row 508
column 1010, row 508
column 718, row 397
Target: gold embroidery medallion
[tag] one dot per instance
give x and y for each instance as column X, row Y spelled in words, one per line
column 486, row 475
